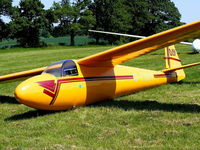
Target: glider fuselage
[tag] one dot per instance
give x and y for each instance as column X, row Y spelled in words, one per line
column 90, row 85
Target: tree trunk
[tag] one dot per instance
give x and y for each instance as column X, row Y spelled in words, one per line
column 97, row 40
column 72, row 37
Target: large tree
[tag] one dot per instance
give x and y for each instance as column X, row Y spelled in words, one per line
column 5, row 8
column 153, row 16
column 139, row 15
column 111, row 15
column 74, row 18
column 142, row 17
column 27, row 21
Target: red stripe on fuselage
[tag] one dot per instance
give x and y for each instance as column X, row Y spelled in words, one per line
column 81, row 79
column 49, row 93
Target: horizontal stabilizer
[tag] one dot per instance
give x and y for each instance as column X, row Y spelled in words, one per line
column 178, row 68
column 22, row 74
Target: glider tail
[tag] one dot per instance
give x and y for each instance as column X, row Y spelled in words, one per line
column 173, row 61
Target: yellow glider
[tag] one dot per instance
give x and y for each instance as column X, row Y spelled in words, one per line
column 99, row 77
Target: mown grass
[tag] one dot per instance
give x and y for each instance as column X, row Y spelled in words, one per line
column 165, row 117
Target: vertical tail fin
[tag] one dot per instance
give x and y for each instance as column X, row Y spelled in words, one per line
column 173, row 61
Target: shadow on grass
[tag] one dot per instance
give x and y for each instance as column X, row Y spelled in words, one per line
column 150, row 105
column 29, row 115
column 186, row 82
column 193, row 53
column 8, row 100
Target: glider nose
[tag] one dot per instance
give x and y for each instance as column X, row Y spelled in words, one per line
column 25, row 93
column 30, row 93
column 21, row 92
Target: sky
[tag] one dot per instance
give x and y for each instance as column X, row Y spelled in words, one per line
column 47, row 3
column 189, row 9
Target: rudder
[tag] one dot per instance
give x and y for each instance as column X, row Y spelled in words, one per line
column 173, row 61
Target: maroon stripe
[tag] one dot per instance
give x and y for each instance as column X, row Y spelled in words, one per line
column 172, row 58
column 71, row 79
column 48, row 93
column 168, row 56
column 94, row 78
column 165, row 75
column 159, row 75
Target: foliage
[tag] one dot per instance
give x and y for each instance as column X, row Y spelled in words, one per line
column 153, row 16
column 5, row 8
column 30, row 21
column 27, row 21
column 140, row 16
column 3, row 30
column 111, row 15
column 163, row 15
column 144, row 17
column 52, row 41
column 74, row 18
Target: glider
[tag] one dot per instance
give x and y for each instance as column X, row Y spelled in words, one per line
column 73, row 83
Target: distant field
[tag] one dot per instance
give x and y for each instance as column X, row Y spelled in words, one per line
column 166, row 117
column 79, row 40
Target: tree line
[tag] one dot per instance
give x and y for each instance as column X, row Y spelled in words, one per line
column 30, row 21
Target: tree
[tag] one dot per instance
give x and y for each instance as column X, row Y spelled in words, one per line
column 27, row 21
column 142, row 17
column 5, row 8
column 74, row 18
column 158, row 15
column 111, row 15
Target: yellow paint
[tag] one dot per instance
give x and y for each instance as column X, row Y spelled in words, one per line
column 173, row 61
column 84, row 92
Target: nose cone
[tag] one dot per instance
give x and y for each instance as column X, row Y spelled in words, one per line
column 30, row 92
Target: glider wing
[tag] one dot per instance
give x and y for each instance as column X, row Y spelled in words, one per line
column 129, row 35
column 22, row 74
column 143, row 46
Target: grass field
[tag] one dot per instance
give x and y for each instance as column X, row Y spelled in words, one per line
column 165, row 117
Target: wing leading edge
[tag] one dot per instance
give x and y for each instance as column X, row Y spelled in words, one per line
column 143, row 46
column 22, row 74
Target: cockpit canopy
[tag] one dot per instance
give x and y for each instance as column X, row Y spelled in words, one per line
column 62, row 68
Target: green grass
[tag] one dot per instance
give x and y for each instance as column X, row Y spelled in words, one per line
column 165, row 117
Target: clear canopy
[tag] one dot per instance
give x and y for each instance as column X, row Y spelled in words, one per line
column 62, row 68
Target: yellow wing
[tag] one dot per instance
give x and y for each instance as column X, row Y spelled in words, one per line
column 22, row 74
column 140, row 47
column 128, row 51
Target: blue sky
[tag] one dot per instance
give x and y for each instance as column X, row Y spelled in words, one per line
column 189, row 9
column 47, row 3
